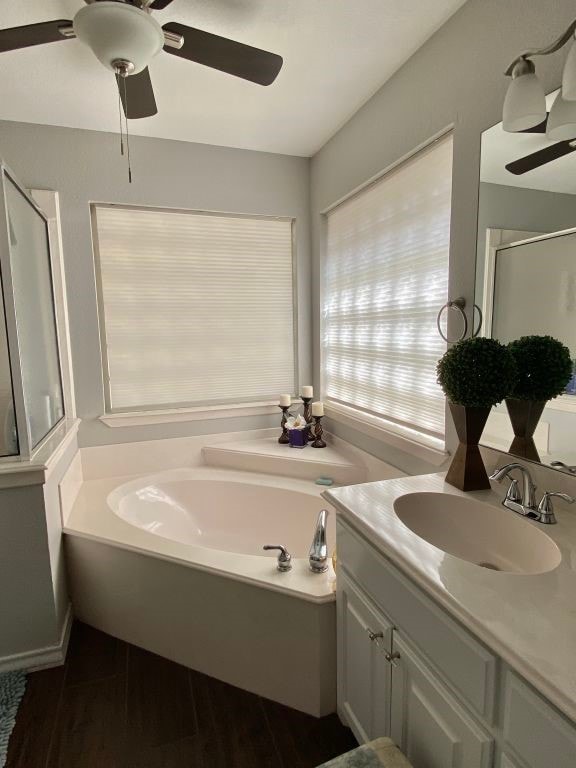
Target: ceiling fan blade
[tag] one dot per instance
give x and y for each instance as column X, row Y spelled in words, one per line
column 229, row 56
column 543, row 156
column 158, row 5
column 138, row 99
column 33, row 34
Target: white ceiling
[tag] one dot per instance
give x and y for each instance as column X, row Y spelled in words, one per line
column 500, row 148
column 337, row 53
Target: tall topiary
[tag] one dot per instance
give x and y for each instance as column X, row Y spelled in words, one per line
column 544, row 368
column 477, row 372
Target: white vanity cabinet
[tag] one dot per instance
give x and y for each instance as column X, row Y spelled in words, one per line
column 364, row 673
column 407, row 670
column 430, row 726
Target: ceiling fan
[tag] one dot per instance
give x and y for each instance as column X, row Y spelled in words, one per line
column 125, row 37
column 542, row 156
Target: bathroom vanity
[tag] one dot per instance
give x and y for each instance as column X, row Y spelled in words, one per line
column 462, row 665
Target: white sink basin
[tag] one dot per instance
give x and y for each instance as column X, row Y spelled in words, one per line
column 488, row 536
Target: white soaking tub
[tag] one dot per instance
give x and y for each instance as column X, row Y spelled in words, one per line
column 173, row 562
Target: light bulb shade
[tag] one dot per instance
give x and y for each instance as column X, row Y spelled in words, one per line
column 562, row 120
column 525, row 104
column 117, row 31
column 569, row 76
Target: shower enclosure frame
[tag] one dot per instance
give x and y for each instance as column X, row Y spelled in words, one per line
column 26, row 447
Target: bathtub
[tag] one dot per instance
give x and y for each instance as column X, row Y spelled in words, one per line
column 173, row 562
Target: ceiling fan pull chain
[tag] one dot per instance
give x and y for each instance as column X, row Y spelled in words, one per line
column 127, row 132
column 120, row 116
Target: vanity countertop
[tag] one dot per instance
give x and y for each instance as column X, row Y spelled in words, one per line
column 528, row 620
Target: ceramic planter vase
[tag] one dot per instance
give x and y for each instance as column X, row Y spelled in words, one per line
column 467, row 471
column 524, row 416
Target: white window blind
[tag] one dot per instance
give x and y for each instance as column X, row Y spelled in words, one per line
column 385, row 277
column 195, row 308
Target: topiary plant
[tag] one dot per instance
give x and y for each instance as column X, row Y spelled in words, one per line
column 544, row 367
column 477, row 372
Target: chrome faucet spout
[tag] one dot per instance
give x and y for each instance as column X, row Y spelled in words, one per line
column 528, row 487
column 318, row 555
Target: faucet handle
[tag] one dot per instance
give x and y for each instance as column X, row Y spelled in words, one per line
column 564, row 467
column 546, row 508
column 284, row 558
column 513, row 492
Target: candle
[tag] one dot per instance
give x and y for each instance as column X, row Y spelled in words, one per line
column 285, row 400
column 307, row 391
column 317, row 409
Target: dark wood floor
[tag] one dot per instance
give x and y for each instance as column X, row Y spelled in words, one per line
column 113, row 705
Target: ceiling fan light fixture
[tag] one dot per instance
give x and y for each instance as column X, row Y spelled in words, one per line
column 562, row 120
column 525, row 102
column 119, row 32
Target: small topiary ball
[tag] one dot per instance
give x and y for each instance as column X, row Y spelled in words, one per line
column 544, row 367
column 477, row 372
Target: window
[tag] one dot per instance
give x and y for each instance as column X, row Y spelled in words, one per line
column 385, row 276
column 195, row 308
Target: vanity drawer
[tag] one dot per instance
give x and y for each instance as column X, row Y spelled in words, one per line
column 463, row 662
column 539, row 734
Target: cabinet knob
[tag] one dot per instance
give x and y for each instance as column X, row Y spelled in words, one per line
column 391, row 658
column 374, row 636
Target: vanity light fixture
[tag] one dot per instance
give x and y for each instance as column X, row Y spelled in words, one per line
column 561, row 124
column 525, row 102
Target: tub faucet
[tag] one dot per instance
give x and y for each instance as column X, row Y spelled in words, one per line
column 318, row 555
column 284, row 557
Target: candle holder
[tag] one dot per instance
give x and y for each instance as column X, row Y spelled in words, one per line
column 284, row 439
column 308, row 415
column 318, row 432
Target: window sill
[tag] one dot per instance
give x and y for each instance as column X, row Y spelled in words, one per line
column 200, row 413
column 565, row 403
column 427, row 448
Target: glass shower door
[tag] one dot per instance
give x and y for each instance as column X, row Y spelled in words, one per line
column 8, row 433
column 30, row 316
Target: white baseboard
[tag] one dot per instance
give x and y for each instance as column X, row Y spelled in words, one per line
column 51, row 656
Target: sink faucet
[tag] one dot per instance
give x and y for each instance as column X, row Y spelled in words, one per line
column 525, row 503
column 318, row 555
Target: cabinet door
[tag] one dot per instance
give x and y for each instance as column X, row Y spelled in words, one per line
column 538, row 734
column 364, row 674
column 427, row 723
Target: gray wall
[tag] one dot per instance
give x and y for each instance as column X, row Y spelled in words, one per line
column 455, row 78
column 85, row 166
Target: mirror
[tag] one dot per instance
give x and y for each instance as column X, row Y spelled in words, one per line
column 526, row 271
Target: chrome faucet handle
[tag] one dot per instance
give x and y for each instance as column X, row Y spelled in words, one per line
column 513, row 492
column 284, row 558
column 546, row 508
column 564, row 467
